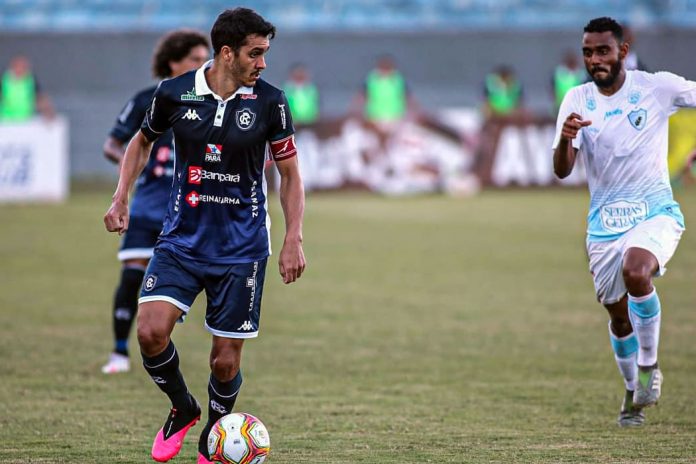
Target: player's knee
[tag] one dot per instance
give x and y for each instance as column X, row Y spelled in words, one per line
column 151, row 340
column 224, row 368
column 638, row 280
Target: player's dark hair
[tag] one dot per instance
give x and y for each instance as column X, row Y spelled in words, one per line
column 175, row 46
column 606, row 24
column 232, row 27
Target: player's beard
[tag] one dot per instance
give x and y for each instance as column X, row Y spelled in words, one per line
column 612, row 75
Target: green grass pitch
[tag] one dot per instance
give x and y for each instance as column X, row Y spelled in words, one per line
column 425, row 330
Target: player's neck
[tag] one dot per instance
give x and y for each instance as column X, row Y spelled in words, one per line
column 616, row 86
column 220, row 82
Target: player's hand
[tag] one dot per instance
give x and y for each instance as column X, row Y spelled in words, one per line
column 116, row 219
column 292, row 261
column 572, row 126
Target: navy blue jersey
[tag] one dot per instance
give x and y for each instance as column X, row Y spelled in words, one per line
column 217, row 212
column 154, row 185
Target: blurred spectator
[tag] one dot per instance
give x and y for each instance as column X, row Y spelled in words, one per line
column 632, row 61
column 385, row 97
column 302, row 95
column 20, row 94
column 567, row 75
column 503, row 92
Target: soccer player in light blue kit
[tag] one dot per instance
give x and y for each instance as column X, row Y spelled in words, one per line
column 618, row 125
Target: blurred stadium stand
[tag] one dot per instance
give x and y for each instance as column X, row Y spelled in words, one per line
column 89, row 15
column 92, row 55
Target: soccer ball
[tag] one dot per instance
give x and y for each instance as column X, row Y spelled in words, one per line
column 238, row 438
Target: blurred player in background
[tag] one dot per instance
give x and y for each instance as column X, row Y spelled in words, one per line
column 568, row 74
column 502, row 92
column 302, row 95
column 21, row 96
column 618, row 123
column 216, row 233
column 176, row 53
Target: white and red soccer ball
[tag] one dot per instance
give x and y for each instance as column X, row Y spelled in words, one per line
column 238, row 438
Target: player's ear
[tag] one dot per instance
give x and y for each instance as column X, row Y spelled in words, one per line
column 227, row 53
column 623, row 49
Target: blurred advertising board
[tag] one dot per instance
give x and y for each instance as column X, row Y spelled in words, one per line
column 34, row 161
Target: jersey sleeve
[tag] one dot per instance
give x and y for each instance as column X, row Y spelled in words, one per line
column 157, row 118
column 674, row 91
column 281, row 133
column 128, row 121
column 570, row 104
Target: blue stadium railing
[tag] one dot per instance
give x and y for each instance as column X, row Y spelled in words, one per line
column 57, row 15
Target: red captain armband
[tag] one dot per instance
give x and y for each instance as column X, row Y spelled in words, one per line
column 284, row 148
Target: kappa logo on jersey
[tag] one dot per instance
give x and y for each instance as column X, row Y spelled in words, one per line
column 191, row 115
column 638, row 118
column 192, row 199
column 245, row 119
column 150, row 282
column 213, row 153
column 195, row 174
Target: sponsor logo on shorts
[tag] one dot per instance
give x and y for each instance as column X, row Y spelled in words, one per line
column 150, row 282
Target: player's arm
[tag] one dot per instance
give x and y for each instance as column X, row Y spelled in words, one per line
column 134, row 161
column 565, row 153
column 292, row 260
column 113, row 149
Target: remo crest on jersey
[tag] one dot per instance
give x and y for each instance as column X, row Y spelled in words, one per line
column 638, row 118
column 245, row 119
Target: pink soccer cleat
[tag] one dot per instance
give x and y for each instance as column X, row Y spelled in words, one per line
column 203, row 460
column 169, row 439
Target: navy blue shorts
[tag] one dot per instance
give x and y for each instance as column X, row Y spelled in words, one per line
column 140, row 238
column 233, row 291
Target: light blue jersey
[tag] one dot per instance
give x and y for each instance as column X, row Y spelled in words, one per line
column 625, row 149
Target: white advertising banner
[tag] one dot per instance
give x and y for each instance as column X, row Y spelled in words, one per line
column 34, row 161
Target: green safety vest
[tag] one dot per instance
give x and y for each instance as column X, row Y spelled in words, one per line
column 18, row 98
column 564, row 79
column 386, row 98
column 303, row 101
column 503, row 98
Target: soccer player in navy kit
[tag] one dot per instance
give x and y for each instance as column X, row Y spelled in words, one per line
column 216, row 232
column 177, row 52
